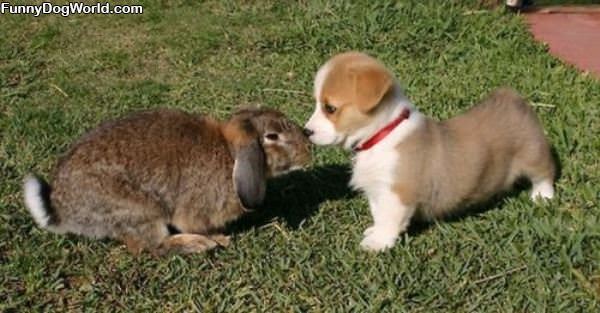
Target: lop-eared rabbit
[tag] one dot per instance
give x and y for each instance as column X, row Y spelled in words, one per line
column 166, row 180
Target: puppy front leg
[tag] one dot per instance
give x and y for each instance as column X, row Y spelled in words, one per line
column 390, row 218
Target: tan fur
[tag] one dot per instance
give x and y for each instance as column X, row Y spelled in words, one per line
column 185, row 243
column 438, row 167
column 132, row 178
column 355, row 85
column 292, row 149
column 236, row 133
column 449, row 165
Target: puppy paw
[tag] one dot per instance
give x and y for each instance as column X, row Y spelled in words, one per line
column 377, row 239
column 369, row 230
column 542, row 191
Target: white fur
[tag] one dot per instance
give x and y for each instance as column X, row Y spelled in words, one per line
column 324, row 130
column 35, row 202
column 389, row 110
column 390, row 218
column 373, row 173
column 320, row 79
column 374, row 169
column 542, row 190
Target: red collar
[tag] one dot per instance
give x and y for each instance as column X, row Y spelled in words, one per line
column 382, row 133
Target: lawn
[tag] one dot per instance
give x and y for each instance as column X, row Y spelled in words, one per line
column 61, row 76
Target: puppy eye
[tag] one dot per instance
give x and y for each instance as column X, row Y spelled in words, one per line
column 329, row 109
column 272, row 136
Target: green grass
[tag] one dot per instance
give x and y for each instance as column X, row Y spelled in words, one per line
column 61, row 76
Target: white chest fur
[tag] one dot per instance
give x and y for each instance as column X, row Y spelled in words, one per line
column 374, row 169
column 373, row 173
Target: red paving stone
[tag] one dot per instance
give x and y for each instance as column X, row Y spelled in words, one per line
column 573, row 37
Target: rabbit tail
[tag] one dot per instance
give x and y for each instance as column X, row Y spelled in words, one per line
column 37, row 200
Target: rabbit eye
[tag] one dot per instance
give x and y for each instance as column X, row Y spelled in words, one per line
column 272, row 136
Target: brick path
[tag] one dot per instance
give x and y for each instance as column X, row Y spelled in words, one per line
column 573, row 37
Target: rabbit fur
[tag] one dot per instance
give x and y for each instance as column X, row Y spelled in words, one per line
column 166, row 180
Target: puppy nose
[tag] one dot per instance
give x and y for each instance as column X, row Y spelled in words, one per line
column 307, row 132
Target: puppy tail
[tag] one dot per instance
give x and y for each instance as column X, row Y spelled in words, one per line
column 36, row 192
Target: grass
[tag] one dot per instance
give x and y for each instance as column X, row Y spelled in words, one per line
column 61, row 76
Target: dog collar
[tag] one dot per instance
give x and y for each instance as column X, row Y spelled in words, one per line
column 382, row 133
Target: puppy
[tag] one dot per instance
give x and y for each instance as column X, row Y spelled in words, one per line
column 410, row 165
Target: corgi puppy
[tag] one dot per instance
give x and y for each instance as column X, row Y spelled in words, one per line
column 410, row 165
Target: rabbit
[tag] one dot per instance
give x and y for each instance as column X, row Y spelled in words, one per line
column 165, row 180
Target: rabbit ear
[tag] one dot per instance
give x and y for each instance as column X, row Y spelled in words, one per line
column 249, row 174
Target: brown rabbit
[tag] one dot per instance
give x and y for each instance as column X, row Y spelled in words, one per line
column 166, row 180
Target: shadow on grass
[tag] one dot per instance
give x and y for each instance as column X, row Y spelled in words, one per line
column 417, row 226
column 296, row 196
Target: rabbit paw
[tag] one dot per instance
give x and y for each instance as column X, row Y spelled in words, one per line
column 186, row 244
column 220, row 239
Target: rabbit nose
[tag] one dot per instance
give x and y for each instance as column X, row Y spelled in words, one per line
column 307, row 132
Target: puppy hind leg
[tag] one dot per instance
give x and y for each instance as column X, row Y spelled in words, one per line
column 542, row 189
column 541, row 174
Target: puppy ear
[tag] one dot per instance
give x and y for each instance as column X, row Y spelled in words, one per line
column 249, row 173
column 371, row 83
